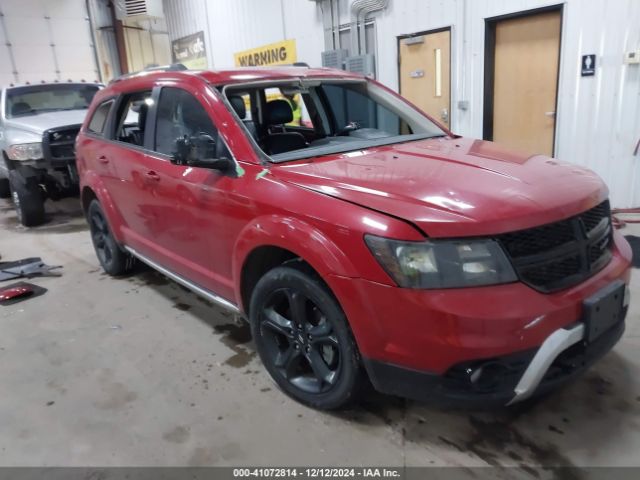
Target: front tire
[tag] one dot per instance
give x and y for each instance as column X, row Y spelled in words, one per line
column 112, row 258
column 28, row 200
column 303, row 338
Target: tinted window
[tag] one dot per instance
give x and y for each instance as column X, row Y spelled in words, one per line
column 99, row 119
column 180, row 115
column 132, row 117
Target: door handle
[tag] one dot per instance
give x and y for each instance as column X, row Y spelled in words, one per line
column 103, row 159
column 550, row 114
column 151, row 175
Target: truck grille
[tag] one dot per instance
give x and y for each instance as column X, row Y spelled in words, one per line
column 58, row 143
column 562, row 254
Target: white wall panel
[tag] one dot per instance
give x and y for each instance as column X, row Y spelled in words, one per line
column 31, row 27
column 233, row 26
column 299, row 17
column 598, row 118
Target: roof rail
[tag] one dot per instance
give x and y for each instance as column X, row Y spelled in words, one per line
column 301, row 64
column 174, row 67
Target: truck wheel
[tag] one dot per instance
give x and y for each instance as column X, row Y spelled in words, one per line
column 303, row 338
column 113, row 259
column 27, row 200
column 5, row 190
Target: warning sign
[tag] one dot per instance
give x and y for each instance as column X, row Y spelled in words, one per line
column 280, row 53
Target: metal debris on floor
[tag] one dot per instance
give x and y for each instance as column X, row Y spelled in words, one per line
column 18, row 292
column 27, row 268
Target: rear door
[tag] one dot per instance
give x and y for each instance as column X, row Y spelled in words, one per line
column 120, row 163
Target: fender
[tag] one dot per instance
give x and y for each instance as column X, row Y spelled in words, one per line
column 93, row 181
column 295, row 235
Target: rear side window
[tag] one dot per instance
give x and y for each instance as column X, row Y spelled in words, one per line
column 99, row 119
column 132, row 117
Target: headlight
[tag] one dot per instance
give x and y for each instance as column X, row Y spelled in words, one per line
column 442, row 263
column 25, row 151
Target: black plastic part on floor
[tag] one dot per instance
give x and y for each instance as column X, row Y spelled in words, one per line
column 635, row 247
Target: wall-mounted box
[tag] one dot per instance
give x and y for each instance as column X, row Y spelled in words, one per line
column 632, row 57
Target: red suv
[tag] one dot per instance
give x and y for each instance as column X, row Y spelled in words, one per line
column 361, row 239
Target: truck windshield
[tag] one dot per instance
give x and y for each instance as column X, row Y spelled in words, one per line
column 34, row 99
column 291, row 120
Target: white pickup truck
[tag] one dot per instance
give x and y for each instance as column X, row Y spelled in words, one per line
column 38, row 127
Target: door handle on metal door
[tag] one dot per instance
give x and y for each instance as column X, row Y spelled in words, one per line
column 103, row 159
column 151, row 175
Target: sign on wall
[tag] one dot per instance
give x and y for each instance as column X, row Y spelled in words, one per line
column 190, row 51
column 280, row 53
column 588, row 65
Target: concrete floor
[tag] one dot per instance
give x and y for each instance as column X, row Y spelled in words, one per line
column 139, row 372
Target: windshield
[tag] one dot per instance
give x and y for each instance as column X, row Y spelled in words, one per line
column 33, row 99
column 306, row 118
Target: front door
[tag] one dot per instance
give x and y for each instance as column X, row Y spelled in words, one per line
column 185, row 208
column 425, row 73
column 525, row 79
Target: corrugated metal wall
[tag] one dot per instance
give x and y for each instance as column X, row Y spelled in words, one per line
column 598, row 118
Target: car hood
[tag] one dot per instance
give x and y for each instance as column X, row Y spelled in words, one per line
column 453, row 187
column 43, row 121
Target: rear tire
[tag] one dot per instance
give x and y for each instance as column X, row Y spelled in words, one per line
column 5, row 189
column 303, row 339
column 112, row 258
column 28, row 200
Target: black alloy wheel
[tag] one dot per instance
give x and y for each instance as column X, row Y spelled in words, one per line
column 300, row 341
column 303, row 338
column 112, row 258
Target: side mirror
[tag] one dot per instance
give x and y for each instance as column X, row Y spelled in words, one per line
column 223, row 164
column 199, row 151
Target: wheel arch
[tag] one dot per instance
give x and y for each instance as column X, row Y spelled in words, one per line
column 268, row 242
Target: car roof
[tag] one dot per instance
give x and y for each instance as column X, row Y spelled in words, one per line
column 252, row 74
column 237, row 75
column 147, row 79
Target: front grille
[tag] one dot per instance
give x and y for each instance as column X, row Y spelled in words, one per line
column 58, row 143
column 562, row 254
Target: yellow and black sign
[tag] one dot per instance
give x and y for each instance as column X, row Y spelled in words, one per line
column 280, row 53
